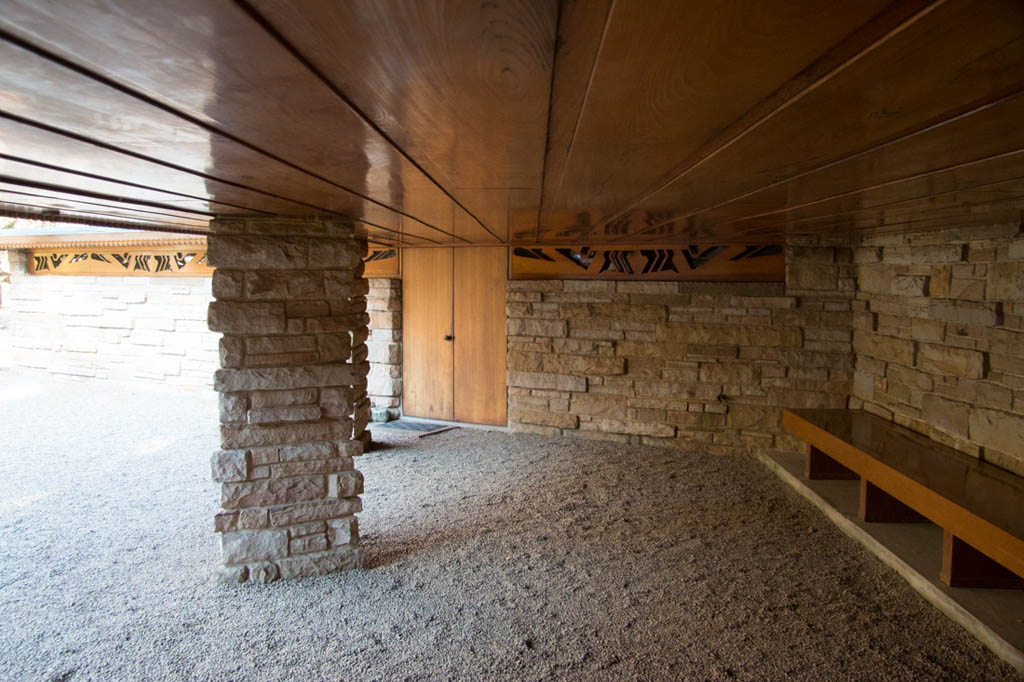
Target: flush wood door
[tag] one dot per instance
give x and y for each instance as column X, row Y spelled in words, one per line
column 453, row 339
column 479, row 304
column 428, row 357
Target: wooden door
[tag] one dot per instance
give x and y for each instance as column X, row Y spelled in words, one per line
column 480, row 341
column 427, row 319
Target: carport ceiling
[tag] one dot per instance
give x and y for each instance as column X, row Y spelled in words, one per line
column 515, row 121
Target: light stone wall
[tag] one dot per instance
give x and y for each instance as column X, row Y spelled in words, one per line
column 684, row 365
column 291, row 304
column 118, row 328
column 384, row 304
column 153, row 329
column 939, row 337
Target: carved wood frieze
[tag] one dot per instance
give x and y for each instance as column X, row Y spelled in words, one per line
column 186, row 261
column 694, row 263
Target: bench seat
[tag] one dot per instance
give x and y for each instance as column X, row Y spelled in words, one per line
column 905, row 476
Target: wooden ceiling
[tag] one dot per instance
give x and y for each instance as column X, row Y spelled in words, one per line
column 514, row 121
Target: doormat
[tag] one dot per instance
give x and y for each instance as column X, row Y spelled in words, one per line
column 424, row 428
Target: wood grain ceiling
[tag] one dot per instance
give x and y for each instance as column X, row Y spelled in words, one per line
column 611, row 122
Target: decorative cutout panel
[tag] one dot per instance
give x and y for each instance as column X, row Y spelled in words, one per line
column 693, row 263
column 381, row 263
column 122, row 262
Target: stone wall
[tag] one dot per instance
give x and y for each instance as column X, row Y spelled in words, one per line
column 153, row 329
column 119, row 328
column 384, row 304
column 293, row 403
column 939, row 337
column 686, row 365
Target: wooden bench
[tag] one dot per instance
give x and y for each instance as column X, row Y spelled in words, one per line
column 905, row 476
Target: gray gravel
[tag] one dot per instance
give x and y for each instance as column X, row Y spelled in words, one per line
column 491, row 556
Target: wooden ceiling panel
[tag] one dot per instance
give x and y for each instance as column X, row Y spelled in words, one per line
column 954, row 59
column 214, row 62
column 670, row 75
column 461, row 86
column 24, row 141
column 67, row 201
column 518, row 121
column 47, row 209
column 965, row 144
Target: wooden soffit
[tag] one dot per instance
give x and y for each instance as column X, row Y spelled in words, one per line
column 525, row 122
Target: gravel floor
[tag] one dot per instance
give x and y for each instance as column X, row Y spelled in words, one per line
column 491, row 556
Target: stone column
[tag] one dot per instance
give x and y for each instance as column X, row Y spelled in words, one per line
column 290, row 300
column 384, row 303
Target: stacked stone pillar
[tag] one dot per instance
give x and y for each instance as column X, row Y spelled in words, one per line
column 290, row 300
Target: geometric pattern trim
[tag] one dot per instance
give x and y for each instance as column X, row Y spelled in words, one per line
column 188, row 261
column 691, row 263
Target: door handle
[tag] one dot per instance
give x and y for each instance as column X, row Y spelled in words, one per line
column 449, row 337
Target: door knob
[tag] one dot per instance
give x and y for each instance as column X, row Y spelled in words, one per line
column 448, row 337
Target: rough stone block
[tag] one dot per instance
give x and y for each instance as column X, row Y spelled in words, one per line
column 598, row 406
column 299, row 396
column 343, row 532
column 287, row 284
column 334, row 254
column 802, row 277
column 964, row 312
column 315, row 511
column 754, row 417
column 273, row 415
column 910, row 285
column 227, row 284
column 230, row 465
column 728, row 373
column 232, row 407
column 256, row 253
column 334, row 347
column 543, row 418
column 236, row 317
column 306, row 544
column 1005, row 282
column 953, row 361
column 927, row 330
column 998, row 430
column 288, row 378
column 345, row 483
column 232, row 351
column 274, row 491
column 947, row 415
column 557, row 382
column 312, row 467
column 884, row 347
column 273, row 434
column 321, row 563
column 243, row 546
column 936, row 253
column 225, row 521
column 531, row 327
column 583, row 364
column 630, row 428
column 264, row 573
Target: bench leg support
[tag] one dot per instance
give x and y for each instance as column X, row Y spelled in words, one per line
column 964, row 566
column 878, row 505
column 821, row 467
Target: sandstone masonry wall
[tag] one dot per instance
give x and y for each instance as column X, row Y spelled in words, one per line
column 939, row 337
column 291, row 303
column 153, row 329
column 384, row 304
column 119, row 328
column 686, row 365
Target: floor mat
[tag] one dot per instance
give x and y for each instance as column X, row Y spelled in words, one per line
column 423, row 428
